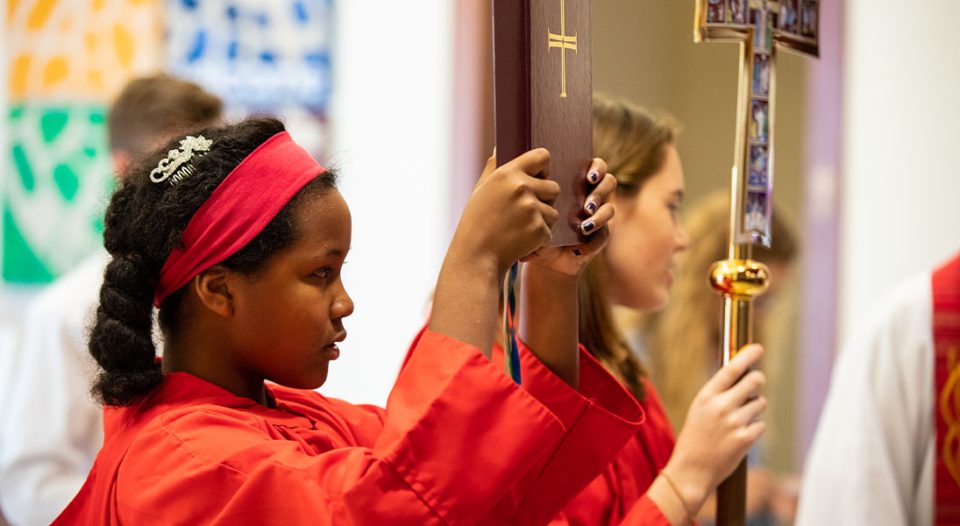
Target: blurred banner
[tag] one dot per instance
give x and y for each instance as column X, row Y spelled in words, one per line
column 67, row 60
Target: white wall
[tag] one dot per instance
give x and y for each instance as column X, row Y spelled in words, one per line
column 901, row 195
column 391, row 142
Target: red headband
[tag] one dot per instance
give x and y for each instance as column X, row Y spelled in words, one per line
column 239, row 209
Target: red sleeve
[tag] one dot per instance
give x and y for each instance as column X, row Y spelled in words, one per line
column 599, row 419
column 645, row 513
column 460, row 440
column 461, row 433
column 611, row 495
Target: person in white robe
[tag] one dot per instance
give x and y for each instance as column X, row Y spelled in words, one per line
column 872, row 458
column 52, row 428
column 7, row 340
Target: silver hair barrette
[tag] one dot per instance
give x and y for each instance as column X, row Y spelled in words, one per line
column 176, row 165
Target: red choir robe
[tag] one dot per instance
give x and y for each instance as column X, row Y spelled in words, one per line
column 458, row 443
column 618, row 495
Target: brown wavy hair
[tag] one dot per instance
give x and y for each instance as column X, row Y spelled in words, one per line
column 633, row 142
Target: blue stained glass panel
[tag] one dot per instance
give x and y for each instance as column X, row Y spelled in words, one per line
column 257, row 55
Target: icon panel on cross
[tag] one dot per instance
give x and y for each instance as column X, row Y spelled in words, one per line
column 762, row 26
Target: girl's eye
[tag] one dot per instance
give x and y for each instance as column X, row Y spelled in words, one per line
column 328, row 273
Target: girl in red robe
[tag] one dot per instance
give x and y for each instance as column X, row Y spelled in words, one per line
column 238, row 236
column 656, row 479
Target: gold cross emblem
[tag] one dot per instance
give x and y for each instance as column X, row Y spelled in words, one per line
column 564, row 42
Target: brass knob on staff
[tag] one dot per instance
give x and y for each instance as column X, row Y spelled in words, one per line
column 739, row 279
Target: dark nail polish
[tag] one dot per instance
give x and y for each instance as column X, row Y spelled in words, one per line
column 593, row 176
column 591, row 207
column 587, row 226
column 577, row 252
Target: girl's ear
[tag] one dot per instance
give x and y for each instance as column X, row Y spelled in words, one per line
column 212, row 287
column 624, row 204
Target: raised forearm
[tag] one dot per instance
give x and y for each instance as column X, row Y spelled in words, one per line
column 466, row 300
column 549, row 320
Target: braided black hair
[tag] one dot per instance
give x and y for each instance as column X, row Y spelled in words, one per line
column 144, row 222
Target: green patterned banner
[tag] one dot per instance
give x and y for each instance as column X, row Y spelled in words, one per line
column 55, row 188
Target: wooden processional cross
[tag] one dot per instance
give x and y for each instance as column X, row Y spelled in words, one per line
column 761, row 27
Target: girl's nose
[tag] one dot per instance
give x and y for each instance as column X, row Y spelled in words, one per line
column 342, row 306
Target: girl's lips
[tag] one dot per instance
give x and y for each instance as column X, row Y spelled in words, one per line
column 331, row 352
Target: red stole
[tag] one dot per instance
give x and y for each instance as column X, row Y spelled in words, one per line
column 946, row 340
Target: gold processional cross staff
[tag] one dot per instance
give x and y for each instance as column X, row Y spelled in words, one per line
column 761, row 27
column 564, row 42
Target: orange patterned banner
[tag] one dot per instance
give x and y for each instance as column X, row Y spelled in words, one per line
column 70, row 49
